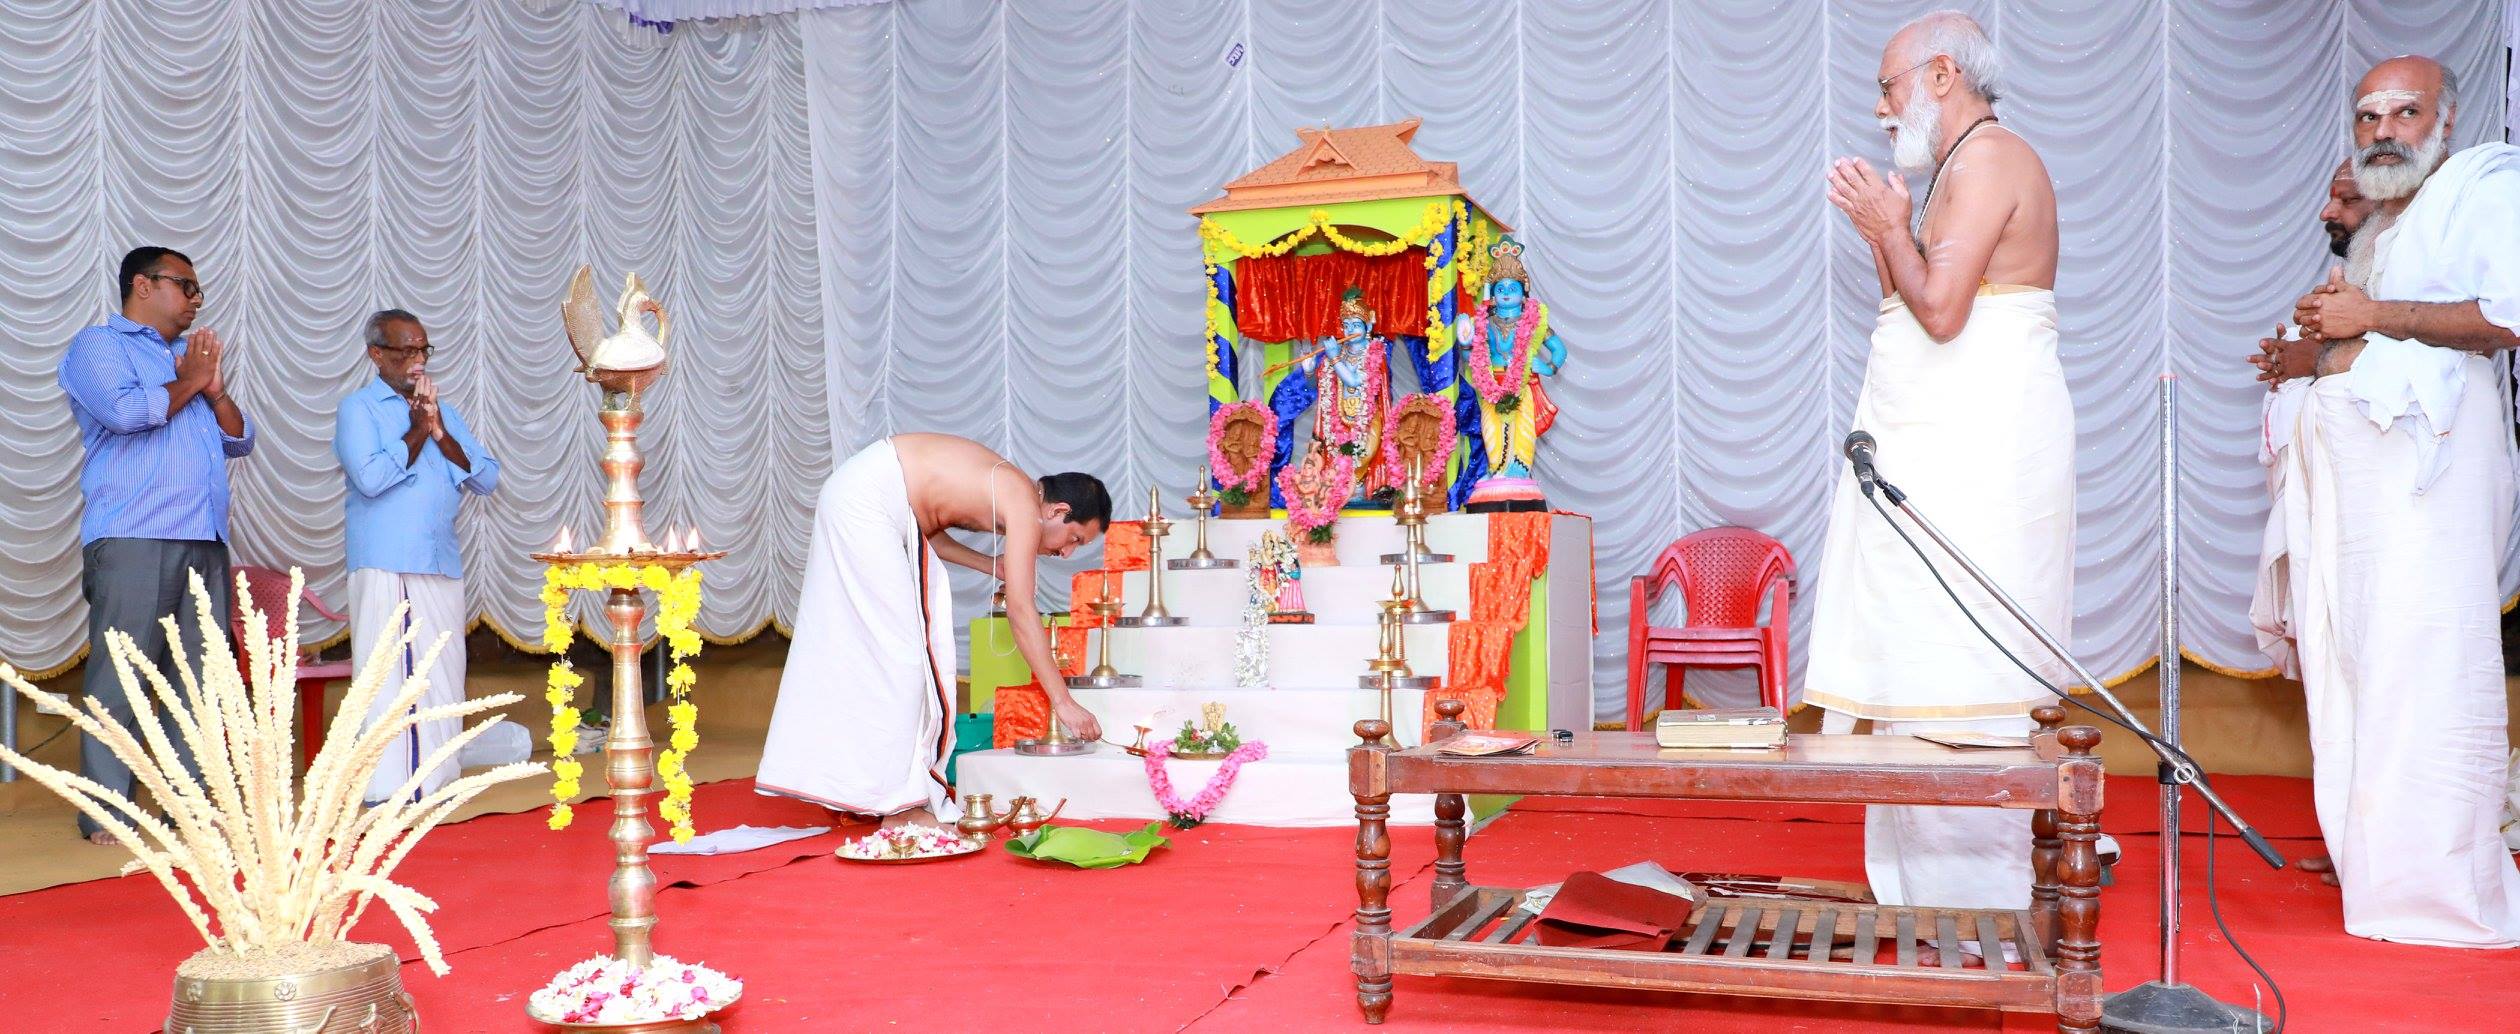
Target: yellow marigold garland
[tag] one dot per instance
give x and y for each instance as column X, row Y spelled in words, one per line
column 678, row 603
column 1437, row 213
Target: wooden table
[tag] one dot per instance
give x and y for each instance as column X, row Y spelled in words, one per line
column 1749, row 946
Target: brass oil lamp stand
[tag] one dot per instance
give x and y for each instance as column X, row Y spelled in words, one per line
column 1157, row 527
column 1201, row 500
column 1389, row 670
column 1410, row 515
column 1103, row 675
column 629, row 751
column 1055, row 741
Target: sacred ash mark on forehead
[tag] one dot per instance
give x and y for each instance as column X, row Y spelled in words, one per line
column 2380, row 101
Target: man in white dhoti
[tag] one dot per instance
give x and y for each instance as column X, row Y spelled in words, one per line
column 864, row 719
column 2289, row 363
column 2377, row 584
column 1966, row 397
column 409, row 460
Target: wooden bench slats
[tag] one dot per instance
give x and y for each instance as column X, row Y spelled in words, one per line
column 1481, row 917
column 1709, row 921
column 1947, row 939
column 1989, row 943
column 1745, row 929
column 2025, row 935
column 1781, row 943
column 1504, row 932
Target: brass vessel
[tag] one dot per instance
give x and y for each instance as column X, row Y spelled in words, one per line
column 362, row 997
column 1024, row 815
column 979, row 816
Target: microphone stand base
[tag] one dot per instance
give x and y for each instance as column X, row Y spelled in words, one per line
column 2158, row 1008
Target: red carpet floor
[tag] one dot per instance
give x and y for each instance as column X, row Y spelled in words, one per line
column 1229, row 929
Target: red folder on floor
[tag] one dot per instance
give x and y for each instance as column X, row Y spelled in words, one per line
column 1595, row 911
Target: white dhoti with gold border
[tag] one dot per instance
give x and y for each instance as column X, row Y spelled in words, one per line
column 1979, row 430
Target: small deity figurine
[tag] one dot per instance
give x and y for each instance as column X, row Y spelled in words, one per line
column 1314, row 489
column 1515, row 350
column 1352, row 384
column 1281, row 574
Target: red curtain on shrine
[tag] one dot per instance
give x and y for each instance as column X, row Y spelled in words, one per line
column 1283, row 297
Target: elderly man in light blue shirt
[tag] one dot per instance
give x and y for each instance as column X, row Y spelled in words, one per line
column 158, row 429
column 409, row 459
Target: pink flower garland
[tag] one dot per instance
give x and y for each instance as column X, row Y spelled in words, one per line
column 1186, row 814
column 1341, row 433
column 1434, row 473
column 1518, row 370
column 1242, row 480
column 1305, row 515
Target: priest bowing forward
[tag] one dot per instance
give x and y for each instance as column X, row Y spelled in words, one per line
column 2393, row 507
column 1964, row 393
column 864, row 719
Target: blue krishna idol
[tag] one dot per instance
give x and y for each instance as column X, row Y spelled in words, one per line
column 1513, row 349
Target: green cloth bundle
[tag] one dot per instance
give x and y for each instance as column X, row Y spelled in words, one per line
column 1087, row 848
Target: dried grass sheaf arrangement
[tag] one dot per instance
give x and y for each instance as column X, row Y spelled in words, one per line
column 257, row 861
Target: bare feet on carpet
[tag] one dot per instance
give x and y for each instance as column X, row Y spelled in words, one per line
column 2318, row 863
column 1929, row 957
column 103, row 838
column 918, row 816
column 2330, row 879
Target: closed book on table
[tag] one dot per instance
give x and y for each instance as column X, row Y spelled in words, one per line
column 1743, row 727
column 1594, row 911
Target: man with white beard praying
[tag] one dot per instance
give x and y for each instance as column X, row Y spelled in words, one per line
column 1967, row 400
column 2378, row 583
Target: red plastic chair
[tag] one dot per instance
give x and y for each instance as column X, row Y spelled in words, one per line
column 269, row 590
column 1726, row 576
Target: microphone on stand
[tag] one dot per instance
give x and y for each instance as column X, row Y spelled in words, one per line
column 1859, row 451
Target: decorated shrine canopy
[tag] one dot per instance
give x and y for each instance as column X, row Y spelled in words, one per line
column 1347, row 207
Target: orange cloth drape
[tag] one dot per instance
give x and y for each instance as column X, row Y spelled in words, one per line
column 1124, row 548
column 1023, row 713
column 1283, row 297
column 1482, row 644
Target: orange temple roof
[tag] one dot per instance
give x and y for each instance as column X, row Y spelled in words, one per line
column 1366, row 163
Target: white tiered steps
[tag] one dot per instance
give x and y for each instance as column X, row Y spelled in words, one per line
column 1305, row 716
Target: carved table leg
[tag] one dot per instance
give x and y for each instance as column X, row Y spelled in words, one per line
column 2078, row 994
column 2045, row 851
column 1370, row 954
column 1451, row 827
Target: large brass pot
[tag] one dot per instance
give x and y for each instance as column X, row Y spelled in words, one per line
column 363, row 997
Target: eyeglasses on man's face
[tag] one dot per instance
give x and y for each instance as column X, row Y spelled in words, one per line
column 1885, row 83
column 188, row 285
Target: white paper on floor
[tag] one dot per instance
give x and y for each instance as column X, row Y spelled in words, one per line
column 739, row 839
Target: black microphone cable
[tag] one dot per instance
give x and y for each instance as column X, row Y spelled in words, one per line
column 2213, row 901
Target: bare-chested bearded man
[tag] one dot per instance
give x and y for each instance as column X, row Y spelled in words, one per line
column 1967, row 399
column 864, row 720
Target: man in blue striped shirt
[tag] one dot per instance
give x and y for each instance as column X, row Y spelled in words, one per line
column 159, row 429
column 409, row 461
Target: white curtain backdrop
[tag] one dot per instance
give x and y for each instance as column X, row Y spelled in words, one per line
column 694, row 10
column 1000, row 191
column 320, row 159
column 968, row 216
